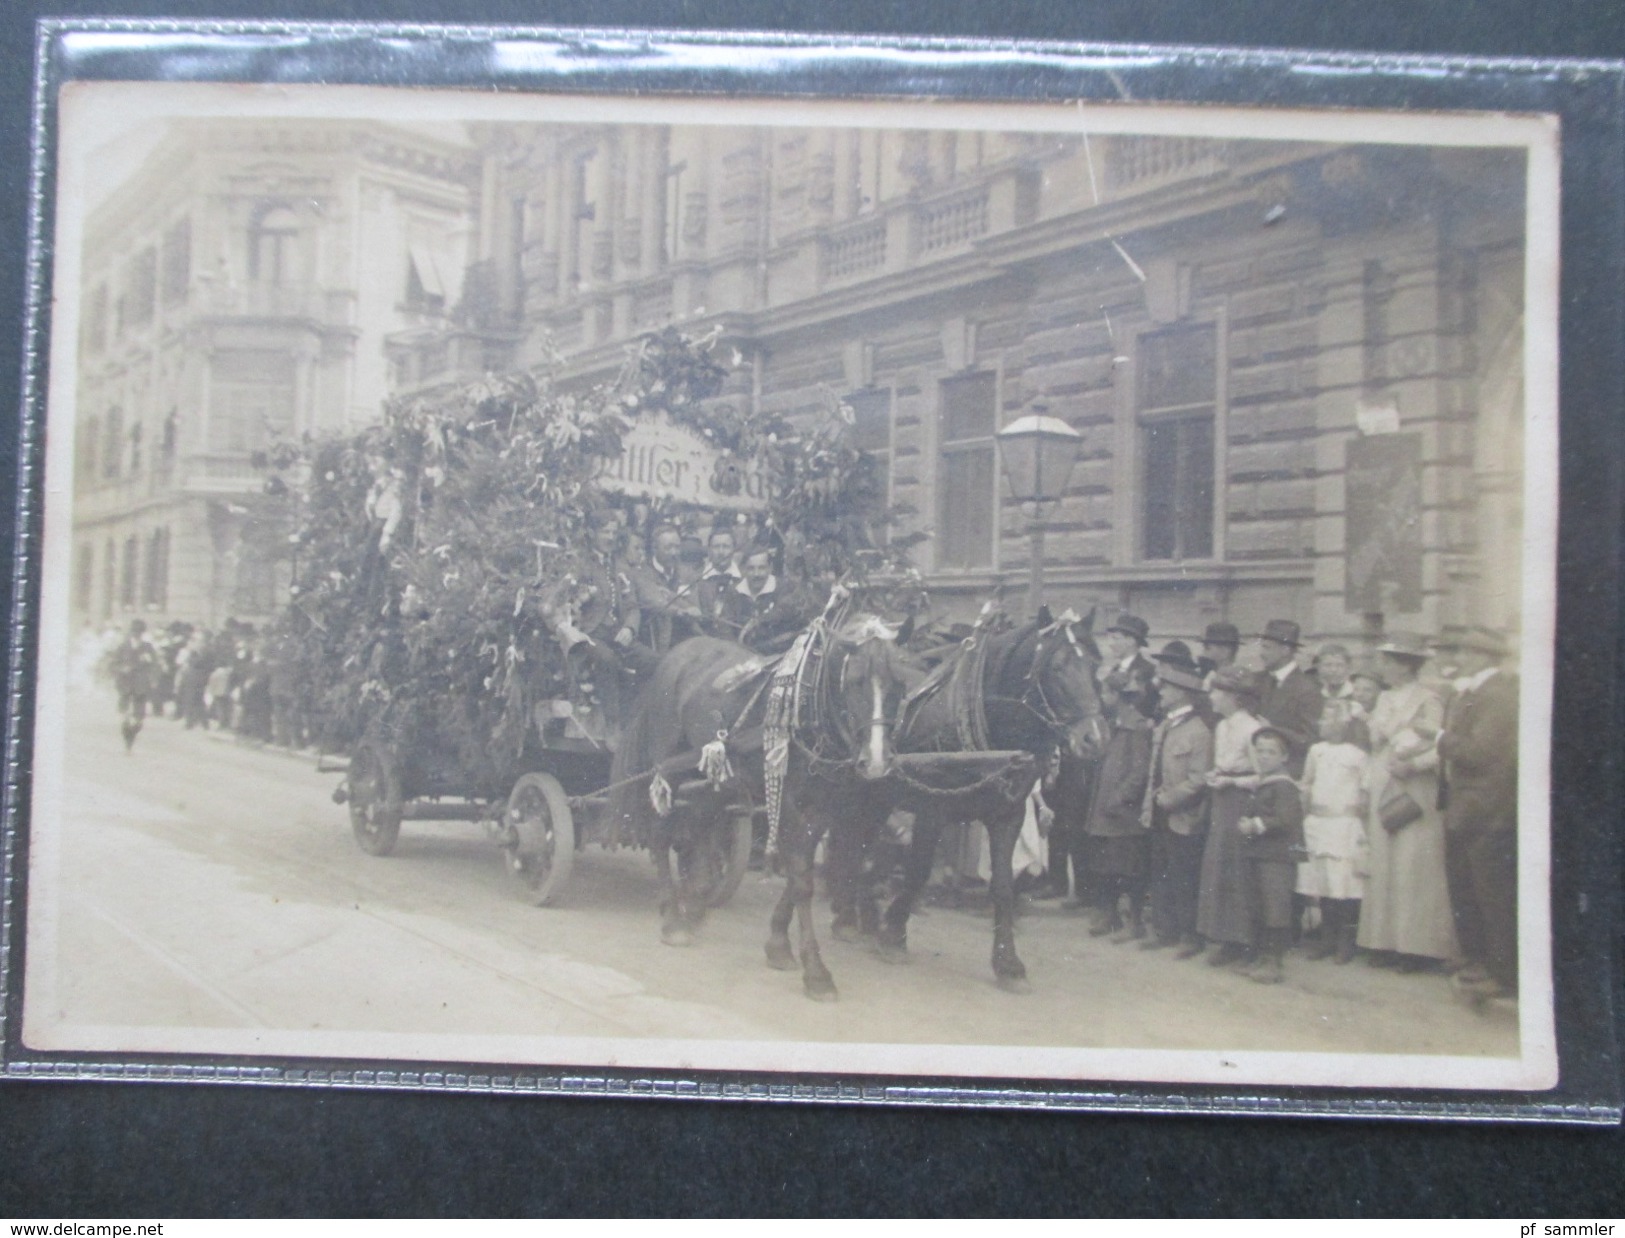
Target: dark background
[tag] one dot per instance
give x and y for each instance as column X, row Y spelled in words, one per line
column 83, row 1150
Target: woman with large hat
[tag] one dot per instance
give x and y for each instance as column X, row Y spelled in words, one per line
column 1223, row 914
column 1405, row 920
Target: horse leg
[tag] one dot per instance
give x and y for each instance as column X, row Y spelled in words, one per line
column 780, row 957
column 1010, row 971
column 876, row 856
column 674, row 930
column 816, row 981
column 842, row 870
column 922, row 853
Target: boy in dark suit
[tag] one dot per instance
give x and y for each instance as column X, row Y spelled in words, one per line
column 1273, row 845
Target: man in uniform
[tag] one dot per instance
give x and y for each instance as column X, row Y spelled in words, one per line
column 719, row 578
column 1479, row 752
column 755, row 612
column 1292, row 700
column 668, row 609
column 1175, row 808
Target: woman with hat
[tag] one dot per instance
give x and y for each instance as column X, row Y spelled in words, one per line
column 1405, row 919
column 1223, row 913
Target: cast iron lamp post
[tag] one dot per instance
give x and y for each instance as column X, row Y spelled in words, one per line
column 1038, row 452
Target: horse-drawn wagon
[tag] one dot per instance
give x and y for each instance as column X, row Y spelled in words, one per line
column 549, row 799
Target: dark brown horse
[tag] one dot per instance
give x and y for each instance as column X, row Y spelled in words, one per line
column 832, row 765
column 1026, row 690
column 709, row 693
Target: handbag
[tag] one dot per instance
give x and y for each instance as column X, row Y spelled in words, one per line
column 1397, row 808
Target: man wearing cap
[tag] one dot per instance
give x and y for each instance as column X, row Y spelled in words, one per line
column 1125, row 645
column 1292, row 700
column 1479, row 751
column 1175, row 809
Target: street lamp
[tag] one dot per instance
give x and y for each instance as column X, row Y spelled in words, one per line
column 1038, row 452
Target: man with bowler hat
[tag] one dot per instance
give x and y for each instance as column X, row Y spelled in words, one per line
column 1175, row 808
column 1220, row 644
column 1292, row 700
column 1125, row 652
column 1479, row 791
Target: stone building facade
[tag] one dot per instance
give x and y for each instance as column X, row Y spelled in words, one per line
column 238, row 291
column 1296, row 367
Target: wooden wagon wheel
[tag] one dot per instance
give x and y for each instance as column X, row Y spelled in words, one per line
column 543, row 846
column 718, row 855
column 375, row 798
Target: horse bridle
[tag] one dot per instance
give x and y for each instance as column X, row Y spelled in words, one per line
column 1052, row 719
column 853, row 743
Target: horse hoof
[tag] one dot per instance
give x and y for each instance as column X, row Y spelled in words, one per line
column 893, row 952
column 842, row 931
column 676, row 936
column 779, row 957
column 1014, row 984
column 821, row 989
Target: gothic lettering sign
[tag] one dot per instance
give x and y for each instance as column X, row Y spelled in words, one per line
column 1384, row 536
column 663, row 460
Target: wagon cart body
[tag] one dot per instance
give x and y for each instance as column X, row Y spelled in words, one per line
column 543, row 805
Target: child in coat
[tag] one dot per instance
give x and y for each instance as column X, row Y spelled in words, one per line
column 1335, row 807
column 1118, row 843
column 1272, row 831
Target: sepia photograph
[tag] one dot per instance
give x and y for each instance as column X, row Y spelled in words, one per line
column 868, row 588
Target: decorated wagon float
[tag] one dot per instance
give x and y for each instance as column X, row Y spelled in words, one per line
column 472, row 612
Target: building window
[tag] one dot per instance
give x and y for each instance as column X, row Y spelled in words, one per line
column 671, row 221
column 131, row 569
column 109, row 577
column 251, row 399
column 583, row 262
column 84, row 576
column 872, row 433
column 866, row 187
column 426, row 282
column 272, row 239
column 90, row 441
column 177, row 265
column 517, row 239
column 1178, row 411
column 169, row 439
column 140, row 289
column 96, row 320
column 155, row 582
column 135, row 449
column 112, row 443
column 967, row 477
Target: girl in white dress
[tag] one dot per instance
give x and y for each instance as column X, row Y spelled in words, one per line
column 1334, row 832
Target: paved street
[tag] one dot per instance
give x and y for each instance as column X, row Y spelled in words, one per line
column 209, row 884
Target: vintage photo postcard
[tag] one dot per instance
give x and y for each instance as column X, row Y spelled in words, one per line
column 969, row 591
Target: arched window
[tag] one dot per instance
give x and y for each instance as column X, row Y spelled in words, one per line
column 272, row 240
